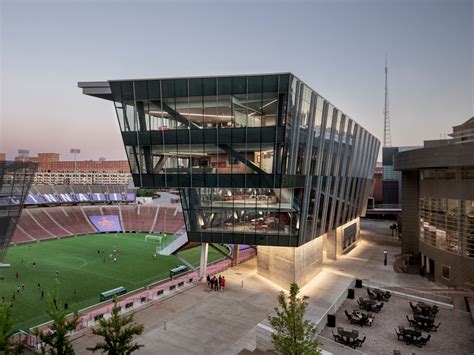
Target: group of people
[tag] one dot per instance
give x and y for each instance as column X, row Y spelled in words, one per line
column 113, row 256
column 216, row 283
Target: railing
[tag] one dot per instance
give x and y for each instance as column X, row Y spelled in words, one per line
column 411, row 293
column 156, row 291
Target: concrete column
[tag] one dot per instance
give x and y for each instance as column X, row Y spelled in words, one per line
column 331, row 245
column 235, row 256
column 203, row 263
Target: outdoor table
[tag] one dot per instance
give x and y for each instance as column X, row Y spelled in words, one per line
column 411, row 334
column 347, row 336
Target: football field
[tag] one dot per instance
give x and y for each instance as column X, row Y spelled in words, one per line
column 85, row 267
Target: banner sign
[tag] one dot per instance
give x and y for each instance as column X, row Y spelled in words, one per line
column 107, row 223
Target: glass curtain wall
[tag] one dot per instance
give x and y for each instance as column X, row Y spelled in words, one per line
column 263, row 155
column 448, row 224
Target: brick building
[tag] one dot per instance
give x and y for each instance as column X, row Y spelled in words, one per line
column 53, row 171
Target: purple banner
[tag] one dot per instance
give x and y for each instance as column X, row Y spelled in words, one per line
column 50, row 198
column 131, row 197
column 113, row 196
column 82, row 197
column 108, row 223
column 66, row 198
column 98, row 196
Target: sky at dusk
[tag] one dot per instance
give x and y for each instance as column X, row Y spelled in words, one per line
column 336, row 47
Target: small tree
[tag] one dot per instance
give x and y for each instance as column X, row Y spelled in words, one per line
column 118, row 333
column 292, row 333
column 6, row 330
column 56, row 338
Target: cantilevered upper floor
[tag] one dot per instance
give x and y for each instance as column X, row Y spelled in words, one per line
column 252, row 154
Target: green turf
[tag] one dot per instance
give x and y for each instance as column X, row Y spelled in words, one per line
column 83, row 274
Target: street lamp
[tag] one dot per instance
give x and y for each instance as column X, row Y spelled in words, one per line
column 75, row 151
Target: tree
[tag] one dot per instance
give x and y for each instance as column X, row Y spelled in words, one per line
column 6, row 330
column 118, row 333
column 292, row 333
column 56, row 338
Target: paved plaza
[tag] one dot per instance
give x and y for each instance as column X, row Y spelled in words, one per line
column 454, row 336
column 201, row 321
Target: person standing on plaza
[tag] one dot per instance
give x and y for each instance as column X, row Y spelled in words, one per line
column 208, row 281
column 222, row 283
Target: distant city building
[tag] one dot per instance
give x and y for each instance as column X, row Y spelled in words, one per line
column 378, row 178
column 2, row 156
column 464, row 133
column 438, row 206
column 391, row 182
column 53, row 171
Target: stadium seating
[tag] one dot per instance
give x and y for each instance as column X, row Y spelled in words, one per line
column 21, row 237
column 72, row 218
column 169, row 220
column 32, row 227
column 42, row 217
column 60, row 221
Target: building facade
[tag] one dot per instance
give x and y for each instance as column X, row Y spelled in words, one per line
column 438, row 209
column 53, row 171
column 258, row 159
column 15, row 181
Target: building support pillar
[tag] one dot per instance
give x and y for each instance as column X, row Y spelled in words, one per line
column 203, row 263
column 235, row 255
column 331, row 245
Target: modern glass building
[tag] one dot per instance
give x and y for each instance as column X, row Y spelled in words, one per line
column 15, row 181
column 258, row 159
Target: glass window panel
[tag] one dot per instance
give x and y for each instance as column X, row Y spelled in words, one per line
column 255, row 84
column 181, row 87
column 167, row 87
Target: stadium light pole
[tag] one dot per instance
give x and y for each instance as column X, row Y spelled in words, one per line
column 23, row 153
column 75, row 151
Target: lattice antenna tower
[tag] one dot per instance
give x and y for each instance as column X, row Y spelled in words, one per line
column 387, row 139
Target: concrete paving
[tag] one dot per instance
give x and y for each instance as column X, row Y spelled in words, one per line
column 201, row 321
column 454, row 336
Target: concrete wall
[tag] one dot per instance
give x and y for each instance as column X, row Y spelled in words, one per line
column 284, row 265
column 410, row 215
column 462, row 268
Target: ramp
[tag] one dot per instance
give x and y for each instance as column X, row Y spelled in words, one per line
column 175, row 245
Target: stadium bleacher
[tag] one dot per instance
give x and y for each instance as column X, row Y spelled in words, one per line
column 62, row 221
column 73, row 194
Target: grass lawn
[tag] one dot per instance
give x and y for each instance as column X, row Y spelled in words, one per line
column 82, row 272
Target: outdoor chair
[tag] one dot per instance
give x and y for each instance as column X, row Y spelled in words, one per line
column 339, row 330
column 377, row 307
column 412, row 322
column 337, row 337
column 359, row 342
column 399, row 335
column 423, row 341
column 434, row 327
column 351, row 319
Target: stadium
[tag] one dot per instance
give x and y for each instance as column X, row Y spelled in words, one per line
column 92, row 238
